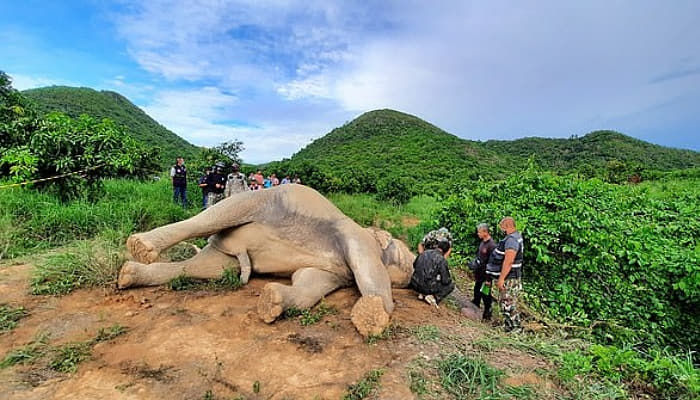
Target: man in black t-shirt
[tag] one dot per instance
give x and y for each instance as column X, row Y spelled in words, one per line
column 482, row 282
column 216, row 184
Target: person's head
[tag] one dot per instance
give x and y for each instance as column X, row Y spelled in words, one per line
column 235, row 167
column 219, row 167
column 507, row 225
column 179, row 161
column 207, row 171
column 482, row 230
column 259, row 172
column 444, row 246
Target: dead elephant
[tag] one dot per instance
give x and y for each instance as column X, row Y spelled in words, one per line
column 289, row 230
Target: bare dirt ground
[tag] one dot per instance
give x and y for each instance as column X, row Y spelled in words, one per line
column 212, row 344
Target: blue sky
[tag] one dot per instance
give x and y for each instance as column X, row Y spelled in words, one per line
column 278, row 73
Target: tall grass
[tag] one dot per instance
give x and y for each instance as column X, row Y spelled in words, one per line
column 31, row 221
column 406, row 221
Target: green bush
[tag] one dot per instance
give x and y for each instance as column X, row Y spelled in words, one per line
column 597, row 252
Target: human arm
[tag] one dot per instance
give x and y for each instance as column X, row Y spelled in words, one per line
column 421, row 248
column 172, row 172
column 505, row 270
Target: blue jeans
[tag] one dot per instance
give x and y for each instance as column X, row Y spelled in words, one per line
column 181, row 192
column 204, row 200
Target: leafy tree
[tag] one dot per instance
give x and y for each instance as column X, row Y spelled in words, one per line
column 83, row 149
column 132, row 120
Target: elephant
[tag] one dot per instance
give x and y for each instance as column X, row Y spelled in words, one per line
column 291, row 231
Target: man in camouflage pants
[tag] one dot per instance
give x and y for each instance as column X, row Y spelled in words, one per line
column 505, row 264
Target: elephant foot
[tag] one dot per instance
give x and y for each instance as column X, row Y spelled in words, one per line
column 127, row 275
column 369, row 317
column 271, row 302
column 141, row 249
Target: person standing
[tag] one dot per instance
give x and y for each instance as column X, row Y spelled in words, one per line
column 202, row 183
column 482, row 281
column 216, row 183
column 286, row 180
column 178, row 173
column 505, row 265
column 259, row 177
column 235, row 182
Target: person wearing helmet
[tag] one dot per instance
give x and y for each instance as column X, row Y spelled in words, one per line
column 216, row 182
column 235, row 182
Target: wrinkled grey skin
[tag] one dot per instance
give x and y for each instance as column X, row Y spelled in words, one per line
column 288, row 230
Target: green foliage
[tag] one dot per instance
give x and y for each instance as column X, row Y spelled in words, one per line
column 26, row 354
column 90, row 263
column 57, row 145
column 68, row 357
column 365, row 386
column 107, row 334
column 464, row 376
column 9, row 316
column 31, row 221
column 229, row 280
column 608, row 155
column 596, row 252
column 426, row 333
column 314, row 315
column 396, row 155
column 106, row 104
column 669, row 377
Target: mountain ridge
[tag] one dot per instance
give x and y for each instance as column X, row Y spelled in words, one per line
column 75, row 101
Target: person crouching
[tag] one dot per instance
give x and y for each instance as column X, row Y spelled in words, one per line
column 431, row 276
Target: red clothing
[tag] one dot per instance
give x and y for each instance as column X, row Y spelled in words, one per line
column 259, row 178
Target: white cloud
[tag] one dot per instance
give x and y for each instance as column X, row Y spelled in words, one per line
column 477, row 69
column 24, row 82
column 203, row 116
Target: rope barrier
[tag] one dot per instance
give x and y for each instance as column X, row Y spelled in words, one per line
column 51, row 178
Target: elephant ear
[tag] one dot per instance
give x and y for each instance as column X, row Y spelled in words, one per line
column 382, row 237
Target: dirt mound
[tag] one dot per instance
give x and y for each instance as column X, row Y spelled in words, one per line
column 183, row 345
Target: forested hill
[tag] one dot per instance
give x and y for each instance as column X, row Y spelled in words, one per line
column 106, row 104
column 387, row 144
column 596, row 148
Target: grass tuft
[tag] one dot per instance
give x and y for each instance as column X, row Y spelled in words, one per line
column 365, row 386
column 10, row 316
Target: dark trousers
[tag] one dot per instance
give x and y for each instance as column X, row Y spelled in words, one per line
column 478, row 296
column 180, row 195
column 204, row 199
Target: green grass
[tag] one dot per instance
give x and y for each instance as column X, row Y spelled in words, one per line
column 426, row 333
column 26, row 354
column 31, row 221
column 229, row 280
column 86, row 263
column 9, row 316
column 464, row 376
column 402, row 221
column 365, row 386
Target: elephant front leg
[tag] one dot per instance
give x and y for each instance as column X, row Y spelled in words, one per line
column 309, row 286
column 207, row 264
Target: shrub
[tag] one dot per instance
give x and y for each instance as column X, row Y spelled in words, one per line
column 596, row 252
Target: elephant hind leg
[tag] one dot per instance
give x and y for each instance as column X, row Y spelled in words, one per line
column 309, row 286
column 207, row 264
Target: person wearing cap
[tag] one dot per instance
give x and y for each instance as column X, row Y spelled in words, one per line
column 235, row 182
column 216, row 182
column 202, row 183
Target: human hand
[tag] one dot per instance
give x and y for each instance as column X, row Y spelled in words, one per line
column 501, row 285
